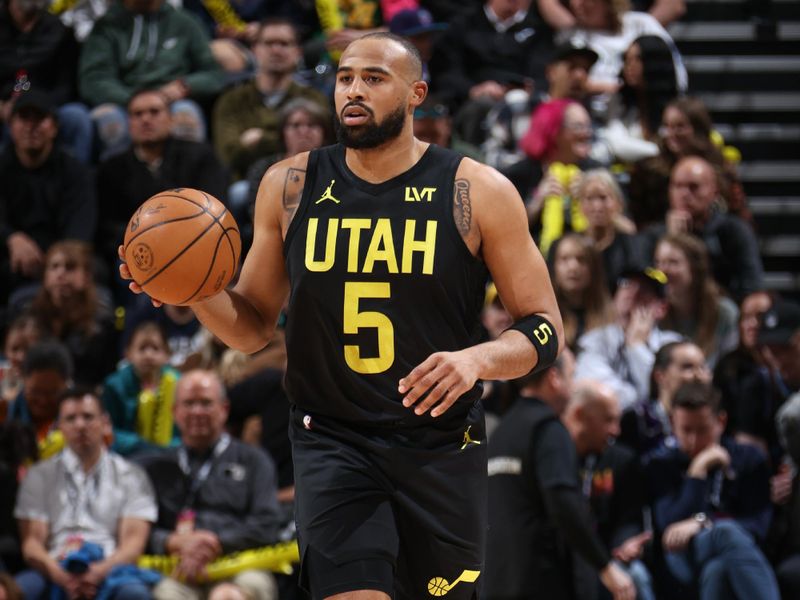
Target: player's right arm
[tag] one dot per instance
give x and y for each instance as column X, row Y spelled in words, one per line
column 244, row 317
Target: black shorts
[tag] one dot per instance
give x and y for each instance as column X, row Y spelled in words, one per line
column 403, row 511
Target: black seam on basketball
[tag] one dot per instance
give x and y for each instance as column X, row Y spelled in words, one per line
column 208, row 272
column 178, row 255
column 175, row 220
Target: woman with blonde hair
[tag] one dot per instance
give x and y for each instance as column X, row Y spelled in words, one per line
column 696, row 307
column 580, row 286
column 602, row 203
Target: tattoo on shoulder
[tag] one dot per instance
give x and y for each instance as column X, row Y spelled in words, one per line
column 462, row 206
column 293, row 190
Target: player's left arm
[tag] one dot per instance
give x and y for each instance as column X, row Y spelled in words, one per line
column 490, row 216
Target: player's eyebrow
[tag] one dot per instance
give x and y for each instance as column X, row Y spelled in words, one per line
column 380, row 70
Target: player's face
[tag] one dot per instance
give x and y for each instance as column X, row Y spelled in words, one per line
column 302, row 133
column 599, row 204
column 373, row 85
column 147, row 353
column 200, row 411
column 571, row 268
column 673, row 262
column 276, row 49
column 696, row 429
column 83, row 425
column 149, row 119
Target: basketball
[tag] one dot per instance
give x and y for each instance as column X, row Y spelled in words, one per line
column 182, row 246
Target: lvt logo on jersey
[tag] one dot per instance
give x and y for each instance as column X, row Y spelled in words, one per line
column 414, row 194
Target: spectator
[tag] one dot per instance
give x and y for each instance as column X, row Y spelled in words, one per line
column 649, row 82
column 601, row 202
column 732, row 247
column 567, row 73
column 686, row 130
column 47, row 195
column 74, row 310
column 156, row 161
column 580, row 286
column 22, row 333
column 216, row 495
column 304, row 125
column 609, row 28
column 751, row 387
column 711, row 503
column 122, row 56
column 246, row 118
column 784, row 533
column 84, row 495
column 417, row 25
column 46, row 373
column 140, row 395
column 17, row 451
column 38, row 53
column 432, row 124
column 665, row 11
column 647, row 425
column 537, row 514
column 611, row 480
column 695, row 307
column 557, row 147
column 486, row 52
column 780, row 337
column 622, row 354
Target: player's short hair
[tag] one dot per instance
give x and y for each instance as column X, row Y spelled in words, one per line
column 413, row 54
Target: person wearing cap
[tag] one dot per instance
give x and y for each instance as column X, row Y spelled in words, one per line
column 417, row 25
column 780, row 334
column 433, row 124
column 37, row 52
column 566, row 73
column 710, row 501
column 47, row 194
column 622, row 354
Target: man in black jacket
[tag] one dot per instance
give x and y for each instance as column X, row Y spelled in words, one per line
column 155, row 162
column 537, row 514
column 215, row 495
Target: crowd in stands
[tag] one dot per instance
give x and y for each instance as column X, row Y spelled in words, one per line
column 658, row 458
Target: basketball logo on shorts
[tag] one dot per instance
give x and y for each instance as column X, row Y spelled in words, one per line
column 439, row 586
column 143, row 257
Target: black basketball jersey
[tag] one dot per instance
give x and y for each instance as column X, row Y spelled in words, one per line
column 380, row 279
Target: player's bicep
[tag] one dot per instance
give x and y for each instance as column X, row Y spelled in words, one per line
column 517, row 267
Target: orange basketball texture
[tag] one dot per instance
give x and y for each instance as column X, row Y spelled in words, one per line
column 182, row 246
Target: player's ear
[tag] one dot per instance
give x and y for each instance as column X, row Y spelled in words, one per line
column 419, row 91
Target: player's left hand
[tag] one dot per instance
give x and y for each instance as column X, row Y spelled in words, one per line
column 443, row 376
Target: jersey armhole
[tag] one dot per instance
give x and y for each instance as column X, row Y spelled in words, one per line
column 311, row 167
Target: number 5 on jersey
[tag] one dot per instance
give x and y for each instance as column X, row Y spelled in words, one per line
column 355, row 320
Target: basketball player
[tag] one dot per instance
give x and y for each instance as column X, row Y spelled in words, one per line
column 383, row 243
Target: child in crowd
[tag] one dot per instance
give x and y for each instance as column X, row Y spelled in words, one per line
column 140, row 394
column 22, row 333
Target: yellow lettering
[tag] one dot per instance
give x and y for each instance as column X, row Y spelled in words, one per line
column 355, row 319
column 427, row 246
column 381, row 247
column 330, row 245
column 411, row 194
column 427, row 193
column 355, row 226
column 543, row 333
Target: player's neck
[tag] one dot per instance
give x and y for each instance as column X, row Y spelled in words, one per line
column 376, row 165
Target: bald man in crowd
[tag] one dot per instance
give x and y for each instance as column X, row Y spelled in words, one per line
column 696, row 208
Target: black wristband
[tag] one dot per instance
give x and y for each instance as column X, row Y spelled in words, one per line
column 543, row 336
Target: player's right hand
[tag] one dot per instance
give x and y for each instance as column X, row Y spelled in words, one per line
column 125, row 273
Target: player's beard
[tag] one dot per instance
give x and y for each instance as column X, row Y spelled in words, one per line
column 372, row 134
